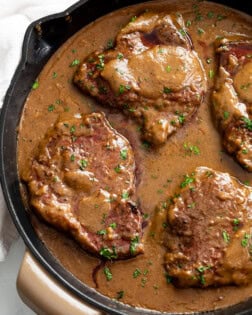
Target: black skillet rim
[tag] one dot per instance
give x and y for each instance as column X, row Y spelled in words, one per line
column 37, row 49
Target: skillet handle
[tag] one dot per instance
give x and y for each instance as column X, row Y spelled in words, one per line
column 43, row 294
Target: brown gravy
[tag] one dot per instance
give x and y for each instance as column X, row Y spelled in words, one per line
column 159, row 172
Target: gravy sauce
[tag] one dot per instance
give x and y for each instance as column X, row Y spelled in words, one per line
column 139, row 281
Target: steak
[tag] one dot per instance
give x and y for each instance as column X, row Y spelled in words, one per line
column 232, row 99
column 152, row 75
column 82, row 181
column 209, row 231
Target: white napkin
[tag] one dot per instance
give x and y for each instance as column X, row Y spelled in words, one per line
column 15, row 16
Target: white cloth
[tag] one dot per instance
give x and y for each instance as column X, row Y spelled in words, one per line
column 15, row 16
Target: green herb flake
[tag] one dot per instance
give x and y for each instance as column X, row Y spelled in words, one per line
column 210, row 14
column 168, row 69
column 108, row 273
column 226, row 115
column 125, row 195
column 124, row 154
column 187, row 181
column 136, row 273
column 202, row 269
column 74, row 63
column 101, row 232
column 211, row 73
column 72, row 157
column 245, row 240
column 209, row 60
column 220, row 17
column 110, row 44
column 225, row 236
column 167, row 90
column 83, row 164
column 72, row 129
column 182, row 32
column 113, row 225
column 120, row 56
column 108, row 253
column 248, row 123
column 51, row 108
column 119, row 295
column 54, row 75
column 118, row 168
column 168, row 278
column 133, row 245
column 188, row 23
column 200, row 31
column 145, row 216
column 133, row 18
column 244, row 151
column 35, row 85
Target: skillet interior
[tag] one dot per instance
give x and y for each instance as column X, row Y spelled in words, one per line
column 37, row 49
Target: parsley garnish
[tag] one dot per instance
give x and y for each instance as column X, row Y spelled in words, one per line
column 35, row 85
column 108, row 273
column 108, row 253
column 133, row 244
column 124, row 154
column 74, row 63
column 248, row 123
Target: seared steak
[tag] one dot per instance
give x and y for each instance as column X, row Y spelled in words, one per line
column 209, row 231
column 82, row 182
column 232, row 99
column 152, row 74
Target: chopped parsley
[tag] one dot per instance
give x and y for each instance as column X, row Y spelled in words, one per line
column 168, row 68
column 133, row 245
column 188, row 23
column 120, row 56
column 72, row 129
column 101, row 232
column 133, row 18
column 167, row 90
column 182, row 32
column 72, row 158
column 118, row 168
column 35, row 85
column 211, row 74
column 83, row 164
column 209, row 60
column 200, row 31
column 100, row 65
column 226, row 114
column 125, row 195
column 113, row 225
column 51, row 108
column 123, row 88
column 245, row 240
column 108, row 273
column 168, row 278
column 187, row 181
column 124, row 154
column 110, row 44
column 74, row 63
column 210, row 14
column 225, row 236
column 248, row 123
column 119, row 295
column 54, row 75
column 108, row 253
column 136, row 273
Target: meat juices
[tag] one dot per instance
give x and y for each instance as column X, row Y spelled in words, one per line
column 152, row 74
column 209, row 231
column 82, row 181
column 232, row 99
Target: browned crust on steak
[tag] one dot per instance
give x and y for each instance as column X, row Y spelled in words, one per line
column 82, row 181
column 164, row 106
column 209, row 231
column 232, row 99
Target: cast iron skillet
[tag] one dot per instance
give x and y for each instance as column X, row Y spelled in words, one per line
column 38, row 47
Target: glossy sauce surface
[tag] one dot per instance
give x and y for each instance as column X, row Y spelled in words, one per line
column 159, row 172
